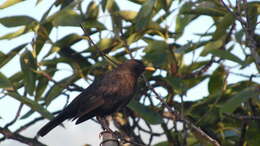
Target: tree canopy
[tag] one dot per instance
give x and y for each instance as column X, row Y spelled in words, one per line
column 170, row 35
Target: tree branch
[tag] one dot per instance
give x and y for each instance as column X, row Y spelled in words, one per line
column 15, row 136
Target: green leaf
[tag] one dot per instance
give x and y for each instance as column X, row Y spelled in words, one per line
column 176, row 83
column 105, row 43
column 133, row 37
column 213, row 45
column 17, row 80
column 4, row 81
column 146, row 113
column 43, row 81
column 15, row 34
column 144, row 15
column 56, row 89
column 9, row 3
column 253, row 14
column 192, row 67
column 32, row 104
column 156, row 52
column 64, row 43
column 68, row 40
column 163, row 4
column 42, row 36
column 217, row 81
column 66, row 17
column 138, row 1
column 183, row 20
column 28, row 66
column 226, row 55
column 54, row 61
column 239, row 35
column 38, row 2
column 14, row 21
column 53, row 93
column 253, row 133
column 92, row 11
column 192, row 82
column 164, row 143
column 94, row 24
column 205, row 11
column 183, row 49
column 240, row 97
column 28, row 114
column 107, row 4
column 223, row 25
column 127, row 15
column 116, row 21
column 6, row 58
column 205, row 8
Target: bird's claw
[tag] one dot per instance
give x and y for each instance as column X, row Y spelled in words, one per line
column 105, row 131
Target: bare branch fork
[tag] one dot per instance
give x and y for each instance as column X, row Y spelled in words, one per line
column 175, row 115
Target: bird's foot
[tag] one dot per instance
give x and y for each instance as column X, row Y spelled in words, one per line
column 106, row 131
column 109, row 131
column 109, row 137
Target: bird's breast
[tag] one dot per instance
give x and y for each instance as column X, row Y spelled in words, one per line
column 119, row 92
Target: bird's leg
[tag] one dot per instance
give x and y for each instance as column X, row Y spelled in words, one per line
column 104, row 124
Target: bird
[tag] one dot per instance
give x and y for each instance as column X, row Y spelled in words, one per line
column 103, row 97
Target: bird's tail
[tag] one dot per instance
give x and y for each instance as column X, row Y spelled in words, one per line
column 52, row 124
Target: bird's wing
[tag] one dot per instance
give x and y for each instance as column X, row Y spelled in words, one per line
column 88, row 104
column 96, row 96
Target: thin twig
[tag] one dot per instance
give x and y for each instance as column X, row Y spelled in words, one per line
column 196, row 130
column 248, row 29
column 15, row 136
column 91, row 43
column 16, row 116
column 33, row 122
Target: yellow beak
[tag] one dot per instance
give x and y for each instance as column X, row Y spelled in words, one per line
column 149, row 68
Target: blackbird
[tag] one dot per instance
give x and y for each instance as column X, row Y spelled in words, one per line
column 103, row 97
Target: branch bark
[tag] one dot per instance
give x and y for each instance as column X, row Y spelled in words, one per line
column 15, row 136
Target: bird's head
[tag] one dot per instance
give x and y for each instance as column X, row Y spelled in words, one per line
column 136, row 66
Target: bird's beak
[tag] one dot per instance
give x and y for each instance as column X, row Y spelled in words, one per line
column 149, row 68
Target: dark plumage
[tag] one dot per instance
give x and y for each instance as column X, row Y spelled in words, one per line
column 103, row 97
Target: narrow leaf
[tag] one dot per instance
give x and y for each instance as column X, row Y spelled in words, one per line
column 226, row 55
column 28, row 66
column 11, row 35
column 32, row 104
column 144, row 15
column 214, row 45
column 56, row 89
column 183, row 20
column 9, row 3
column 28, row 114
column 94, row 24
column 14, row 21
column 42, row 35
column 7, row 57
column 146, row 113
column 44, row 80
column 66, row 17
column 236, row 100
column 4, row 81
column 92, row 11
column 223, row 25
column 217, row 81
column 127, row 15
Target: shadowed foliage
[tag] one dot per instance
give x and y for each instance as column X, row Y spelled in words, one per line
column 206, row 53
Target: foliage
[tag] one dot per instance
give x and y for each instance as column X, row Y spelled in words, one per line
column 225, row 50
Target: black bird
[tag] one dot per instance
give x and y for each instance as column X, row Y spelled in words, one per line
column 103, row 97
